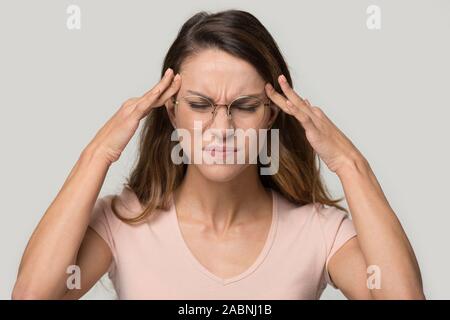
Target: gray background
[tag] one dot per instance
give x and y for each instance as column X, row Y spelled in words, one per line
column 386, row 89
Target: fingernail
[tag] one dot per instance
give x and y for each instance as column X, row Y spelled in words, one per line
column 177, row 77
column 283, row 78
column 269, row 86
column 167, row 71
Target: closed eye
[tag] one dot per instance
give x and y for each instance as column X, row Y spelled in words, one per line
column 245, row 108
column 194, row 105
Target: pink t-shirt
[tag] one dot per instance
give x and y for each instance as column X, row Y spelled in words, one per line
column 152, row 261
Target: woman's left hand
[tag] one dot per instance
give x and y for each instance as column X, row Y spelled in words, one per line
column 332, row 146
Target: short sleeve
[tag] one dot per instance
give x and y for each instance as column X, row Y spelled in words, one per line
column 338, row 228
column 101, row 222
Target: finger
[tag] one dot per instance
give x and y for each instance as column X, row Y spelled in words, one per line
column 160, row 86
column 310, row 106
column 170, row 91
column 153, row 97
column 293, row 96
column 144, row 108
column 308, row 103
column 316, row 111
column 277, row 98
column 302, row 117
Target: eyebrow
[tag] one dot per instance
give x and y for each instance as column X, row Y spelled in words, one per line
column 256, row 95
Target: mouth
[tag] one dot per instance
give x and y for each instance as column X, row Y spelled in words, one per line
column 220, row 150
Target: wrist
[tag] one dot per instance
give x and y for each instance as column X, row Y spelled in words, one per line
column 95, row 154
column 354, row 163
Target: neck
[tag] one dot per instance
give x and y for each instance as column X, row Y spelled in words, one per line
column 221, row 205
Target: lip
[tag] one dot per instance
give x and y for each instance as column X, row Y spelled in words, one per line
column 222, row 149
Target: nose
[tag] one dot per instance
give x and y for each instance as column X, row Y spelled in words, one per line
column 222, row 123
column 221, row 119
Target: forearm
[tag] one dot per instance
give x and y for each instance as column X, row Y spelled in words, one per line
column 380, row 234
column 54, row 244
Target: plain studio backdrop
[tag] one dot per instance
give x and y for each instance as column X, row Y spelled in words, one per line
column 387, row 89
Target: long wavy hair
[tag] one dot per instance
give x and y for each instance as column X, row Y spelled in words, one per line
column 154, row 176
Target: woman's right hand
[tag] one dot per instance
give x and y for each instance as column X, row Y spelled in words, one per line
column 112, row 138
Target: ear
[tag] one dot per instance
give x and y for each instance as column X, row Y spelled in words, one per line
column 170, row 107
column 274, row 110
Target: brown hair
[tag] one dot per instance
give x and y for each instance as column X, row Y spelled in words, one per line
column 239, row 33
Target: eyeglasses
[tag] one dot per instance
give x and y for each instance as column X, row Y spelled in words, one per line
column 244, row 111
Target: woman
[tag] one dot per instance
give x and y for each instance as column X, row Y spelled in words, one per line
column 220, row 231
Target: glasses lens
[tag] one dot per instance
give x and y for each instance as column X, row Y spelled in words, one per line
column 195, row 108
column 199, row 104
column 247, row 112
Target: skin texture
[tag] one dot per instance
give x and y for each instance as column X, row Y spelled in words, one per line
column 233, row 204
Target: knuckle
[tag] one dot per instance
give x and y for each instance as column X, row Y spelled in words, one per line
column 129, row 102
column 317, row 111
column 293, row 108
column 173, row 85
column 127, row 107
column 141, row 104
column 305, row 118
column 151, row 92
column 155, row 91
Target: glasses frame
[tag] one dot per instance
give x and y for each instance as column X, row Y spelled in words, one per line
column 228, row 106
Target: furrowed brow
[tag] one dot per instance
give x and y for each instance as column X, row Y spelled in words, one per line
column 256, row 95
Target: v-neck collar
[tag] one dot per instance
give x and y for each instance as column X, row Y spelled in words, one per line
column 262, row 255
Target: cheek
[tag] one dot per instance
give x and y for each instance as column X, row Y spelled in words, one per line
column 268, row 114
column 187, row 119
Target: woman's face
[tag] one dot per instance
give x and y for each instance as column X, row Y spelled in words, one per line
column 222, row 78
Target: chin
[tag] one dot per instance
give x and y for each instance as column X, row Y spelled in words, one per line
column 221, row 172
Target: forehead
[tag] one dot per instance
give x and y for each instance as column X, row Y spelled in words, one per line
column 219, row 75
